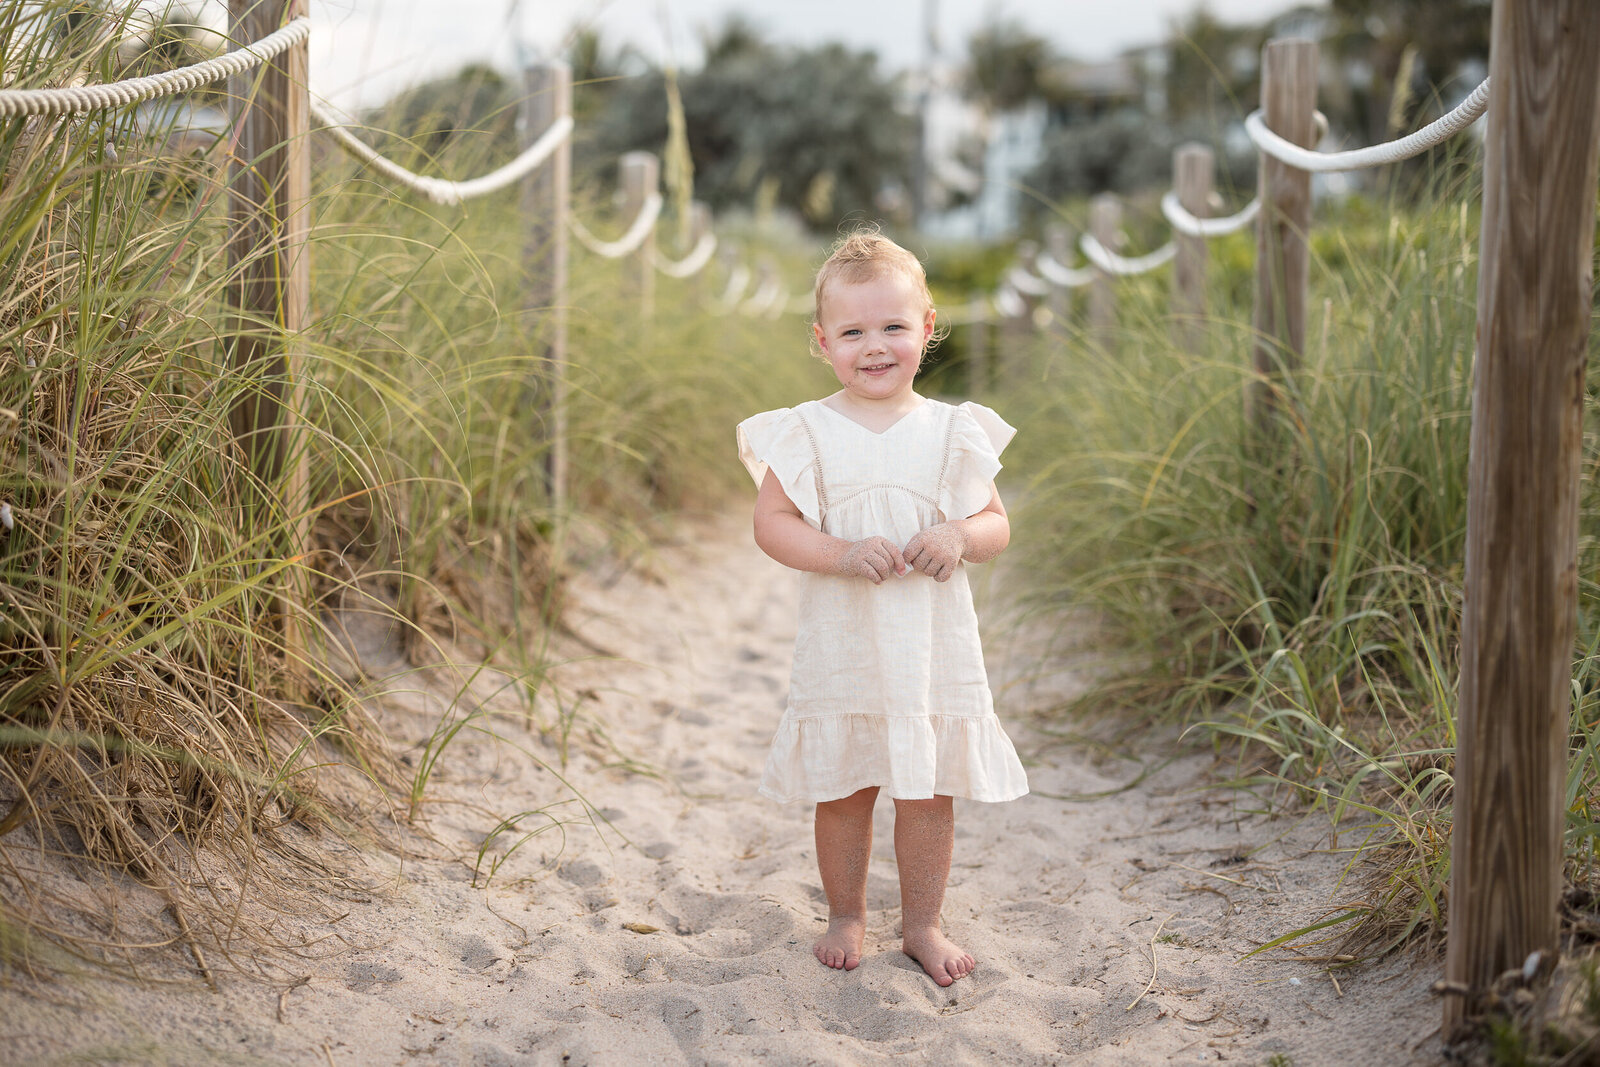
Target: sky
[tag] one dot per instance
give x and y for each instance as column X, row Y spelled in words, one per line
column 359, row 58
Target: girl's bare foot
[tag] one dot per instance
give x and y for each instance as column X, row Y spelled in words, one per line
column 943, row 959
column 840, row 947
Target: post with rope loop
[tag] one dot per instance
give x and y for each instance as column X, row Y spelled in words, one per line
column 1105, row 219
column 1193, row 166
column 639, row 174
column 1535, row 289
column 546, row 203
column 1283, row 227
column 269, row 289
column 1058, row 246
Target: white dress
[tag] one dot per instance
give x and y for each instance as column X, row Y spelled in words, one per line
column 888, row 687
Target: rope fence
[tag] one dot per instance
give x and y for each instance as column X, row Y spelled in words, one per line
column 693, row 263
column 1048, row 275
column 1430, row 136
column 1034, row 290
column 1112, row 263
column 439, row 190
column 1019, row 283
column 1042, row 277
column 15, row 103
column 1062, row 277
column 1192, row 226
column 733, row 293
column 631, row 240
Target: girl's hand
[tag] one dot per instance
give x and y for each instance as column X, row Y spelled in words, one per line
column 937, row 550
column 873, row 559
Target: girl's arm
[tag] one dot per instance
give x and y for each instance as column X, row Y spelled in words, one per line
column 976, row 539
column 787, row 537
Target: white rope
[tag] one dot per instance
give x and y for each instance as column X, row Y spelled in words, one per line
column 64, row 101
column 440, row 190
column 1193, row 226
column 1464, row 115
column 1066, row 277
column 691, row 264
column 767, row 300
column 1108, row 261
column 1008, row 303
column 738, row 279
column 1029, row 284
column 630, row 241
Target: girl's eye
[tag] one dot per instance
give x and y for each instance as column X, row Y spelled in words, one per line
column 851, row 333
column 894, row 326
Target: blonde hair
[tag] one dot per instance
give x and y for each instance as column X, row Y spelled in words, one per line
column 864, row 254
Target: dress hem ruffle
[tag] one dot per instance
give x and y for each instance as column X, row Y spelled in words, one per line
column 821, row 758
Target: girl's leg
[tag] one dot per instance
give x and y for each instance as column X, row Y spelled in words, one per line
column 924, row 837
column 844, row 845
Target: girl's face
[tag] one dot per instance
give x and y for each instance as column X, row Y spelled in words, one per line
column 874, row 333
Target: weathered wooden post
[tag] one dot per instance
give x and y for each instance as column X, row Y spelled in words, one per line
column 1105, row 219
column 639, row 173
column 1016, row 327
column 1058, row 244
column 1192, row 168
column 699, row 227
column 546, row 201
column 1283, row 251
column 1534, row 306
column 269, row 289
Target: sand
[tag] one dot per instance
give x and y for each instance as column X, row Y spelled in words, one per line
column 677, row 926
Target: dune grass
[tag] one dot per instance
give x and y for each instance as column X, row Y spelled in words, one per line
column 153, row 727
column 1294, row 595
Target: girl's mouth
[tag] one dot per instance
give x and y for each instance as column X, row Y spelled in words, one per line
column 877, row 368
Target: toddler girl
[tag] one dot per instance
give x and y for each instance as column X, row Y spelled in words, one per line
column 879, row 494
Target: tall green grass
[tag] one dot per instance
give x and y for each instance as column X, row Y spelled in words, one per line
column 152, row 724
column 1295, row 595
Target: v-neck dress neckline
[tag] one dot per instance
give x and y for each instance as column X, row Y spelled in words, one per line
column 867, row 429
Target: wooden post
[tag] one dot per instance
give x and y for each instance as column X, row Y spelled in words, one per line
column 978, row 345
column 1039, row 313
column 640, row 175
column 269, row 288
column 1016, row 331
column 1534, row 293
column 699, row 226
column 1192, row 168
column 1283, row 251
column 1058, row 242
column 546, row 201
column 1105, row 219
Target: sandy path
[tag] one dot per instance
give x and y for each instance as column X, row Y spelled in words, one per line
column 1060, row 901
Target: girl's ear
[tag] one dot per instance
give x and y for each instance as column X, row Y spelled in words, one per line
column 822, row 339
column 927, row 326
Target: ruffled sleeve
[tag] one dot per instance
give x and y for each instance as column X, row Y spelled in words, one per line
column 777, row 441
column 977, row 437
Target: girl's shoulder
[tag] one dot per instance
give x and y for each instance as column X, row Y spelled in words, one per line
column 778, row 416
column 977, row 437
column 780, row 438
column 976, row 425
column 781, row 441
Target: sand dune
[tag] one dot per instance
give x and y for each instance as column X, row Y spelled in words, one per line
column 677, row 927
